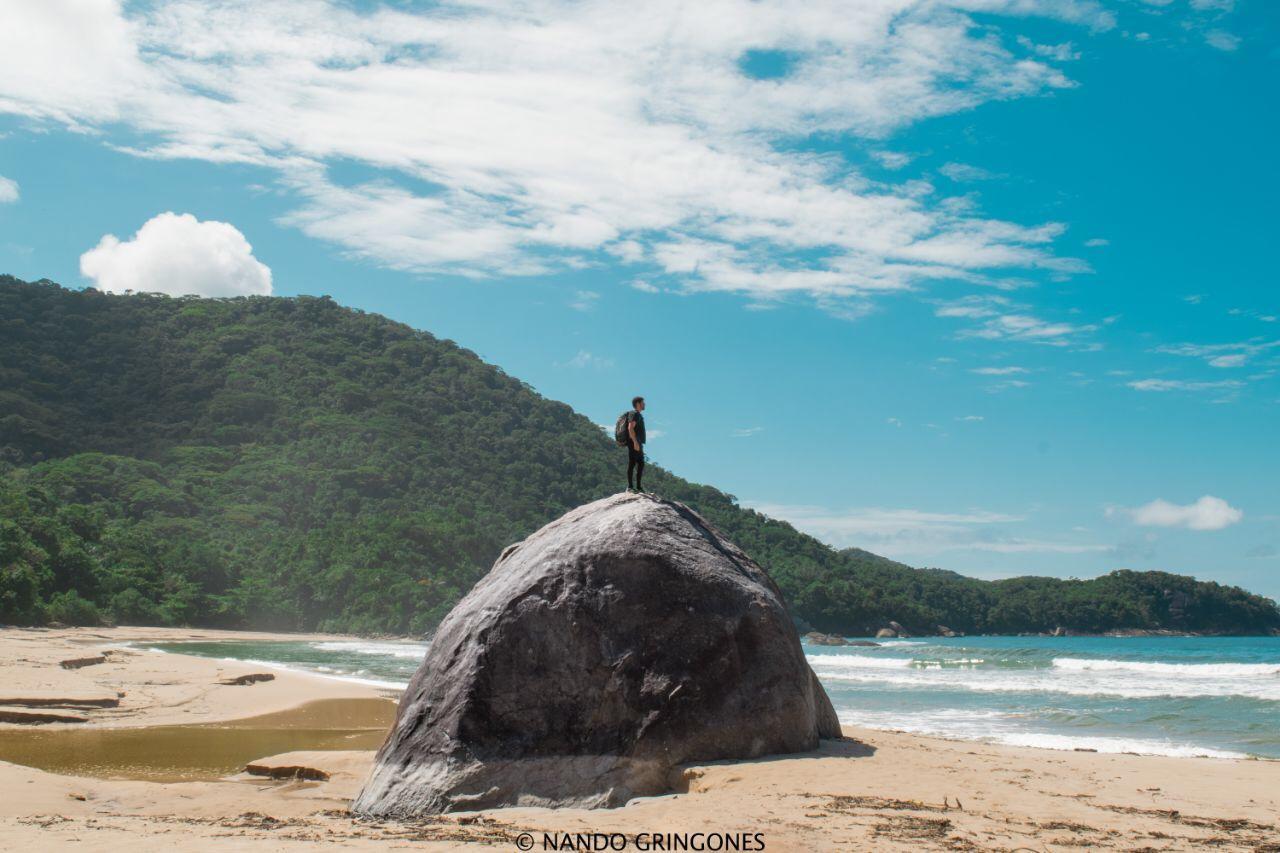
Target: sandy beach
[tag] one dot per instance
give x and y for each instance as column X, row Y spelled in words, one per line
column 875, row 790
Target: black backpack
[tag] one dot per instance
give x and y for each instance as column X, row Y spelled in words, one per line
column 620, row 432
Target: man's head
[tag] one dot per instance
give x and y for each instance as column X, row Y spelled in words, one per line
column 637, row 403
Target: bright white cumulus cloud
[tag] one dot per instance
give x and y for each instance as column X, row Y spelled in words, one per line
column 8, row 190
column 1207, row 513
column 179, row 255
column 535, row 136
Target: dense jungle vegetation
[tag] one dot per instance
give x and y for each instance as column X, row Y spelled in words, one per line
column 292, row 464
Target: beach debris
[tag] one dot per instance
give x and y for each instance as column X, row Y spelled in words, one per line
column 251, row 678
column 80, row 663
column 287, row 771
column 549, row 683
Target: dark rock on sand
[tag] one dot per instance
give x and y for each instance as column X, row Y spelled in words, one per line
column 80, row 663
column 36, row 718
column 251, row 678
column 286, row 771
column 621, row 640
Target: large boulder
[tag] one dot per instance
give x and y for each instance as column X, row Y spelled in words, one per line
column 621, row 640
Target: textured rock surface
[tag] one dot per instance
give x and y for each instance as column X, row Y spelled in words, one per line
column 618, row 641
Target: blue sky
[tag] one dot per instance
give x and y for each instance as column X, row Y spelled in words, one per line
column 986, row 284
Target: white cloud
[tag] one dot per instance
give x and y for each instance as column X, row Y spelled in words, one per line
column 893, row 422
column 1065, row 52
column 584, row 300
column 1161, row 385
column 177, row 254
column 971, row 418
column 964, row 173
column 892, row 160
column 917, row 532
column 998, row 371
column 1007, row 384
column 1097, row 242
column 1222, row 355
column 1222, row 40
column 551, row 135
column 1208, row 513
column 585, row 359
column 8, row 190
column 746, row 432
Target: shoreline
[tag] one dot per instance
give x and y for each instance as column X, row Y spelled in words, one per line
column 877, row 788
column 134, row 686
column 194, row 698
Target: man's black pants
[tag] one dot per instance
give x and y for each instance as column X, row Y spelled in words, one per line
column 635, row 465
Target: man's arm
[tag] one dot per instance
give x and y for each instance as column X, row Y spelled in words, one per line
column 631, row 431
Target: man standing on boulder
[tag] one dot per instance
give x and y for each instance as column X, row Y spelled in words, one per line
column 635, row 443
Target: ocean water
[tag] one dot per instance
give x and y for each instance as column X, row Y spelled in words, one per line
column 1179, row 696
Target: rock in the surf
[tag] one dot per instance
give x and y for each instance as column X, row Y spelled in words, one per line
column 624, row 638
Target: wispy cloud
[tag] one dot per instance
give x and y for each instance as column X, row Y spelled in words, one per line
column 998, row 371
column 8, row 190
column 999, row 318
column 891, row 159
column 585, row 359
column 1222, row 355
column 584, row 300
column 553, row 135
column 1222, row 40
column 964, row 173
column 746, row 432
column 1162, row 385
column 908, row 532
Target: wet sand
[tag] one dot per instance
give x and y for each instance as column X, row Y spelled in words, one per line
column 208, row 751
column 872, row 791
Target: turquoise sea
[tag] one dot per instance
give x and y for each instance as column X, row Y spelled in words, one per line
column 1181, row 696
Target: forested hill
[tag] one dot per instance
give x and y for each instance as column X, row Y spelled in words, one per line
column 289, row 463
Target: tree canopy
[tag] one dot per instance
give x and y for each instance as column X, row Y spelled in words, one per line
column 289, row 463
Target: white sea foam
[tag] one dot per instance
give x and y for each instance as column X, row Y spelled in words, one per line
column 1001, row 727
column 407, row 650
column 857, row 661
column 1121, row 684
column 333, row 674
column 1114, row 745
column 1199, row 670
